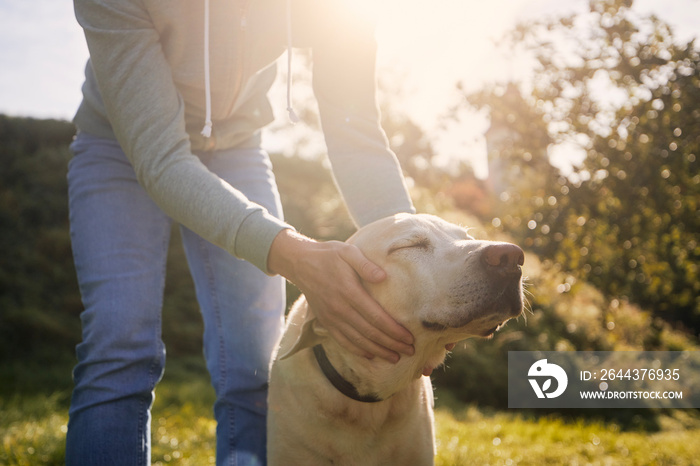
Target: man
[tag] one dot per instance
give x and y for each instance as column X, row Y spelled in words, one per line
column 169, row 130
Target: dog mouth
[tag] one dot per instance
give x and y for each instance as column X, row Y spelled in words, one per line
column 504, row 305
column 492, row 330
column 436, row 327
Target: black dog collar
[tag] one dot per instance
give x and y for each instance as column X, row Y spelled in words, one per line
column 337, row 380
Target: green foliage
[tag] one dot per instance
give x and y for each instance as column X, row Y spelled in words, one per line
column 183, row 429
column 626, row 93
column 32, row 431
column 33, row 427
column 474, row 437
column 38, row 290
column 564, row 314
column 310, row 200
column 625, row 223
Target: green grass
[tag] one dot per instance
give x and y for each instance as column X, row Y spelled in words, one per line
column 33, row 430
column 183, row 429
column 474, row 438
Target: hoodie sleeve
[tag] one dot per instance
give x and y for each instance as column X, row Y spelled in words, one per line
column 365, row 169
column 146, row 113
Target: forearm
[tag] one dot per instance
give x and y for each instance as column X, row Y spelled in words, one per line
column 365, row 169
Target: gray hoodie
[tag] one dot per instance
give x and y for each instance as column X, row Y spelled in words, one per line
column 147, row 86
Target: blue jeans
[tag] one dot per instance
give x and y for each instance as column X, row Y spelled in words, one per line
column 120, row 241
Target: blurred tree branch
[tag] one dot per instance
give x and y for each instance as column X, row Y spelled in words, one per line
column 619, row 88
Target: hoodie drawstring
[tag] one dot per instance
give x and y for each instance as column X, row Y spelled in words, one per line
column 293, row 117
column 206, row 131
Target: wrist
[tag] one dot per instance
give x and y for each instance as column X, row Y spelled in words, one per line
column 285, row 252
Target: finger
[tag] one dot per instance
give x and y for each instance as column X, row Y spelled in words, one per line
column 348, row 345
column 370, row 332
column 376, row 318
column 368, row 307
column 356, row 342
column 359, row 335
column 337, row 321
column 366, row 269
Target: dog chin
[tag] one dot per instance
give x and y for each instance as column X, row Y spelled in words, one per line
column 484, row 324
column 511, row 311
column 481, row 329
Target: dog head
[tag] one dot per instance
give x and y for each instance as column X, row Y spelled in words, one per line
column 440, row 279
column 442, row 284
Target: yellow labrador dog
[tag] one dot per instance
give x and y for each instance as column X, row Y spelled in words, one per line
column 328, row 406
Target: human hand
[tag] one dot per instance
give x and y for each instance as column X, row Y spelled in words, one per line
column 329, row 274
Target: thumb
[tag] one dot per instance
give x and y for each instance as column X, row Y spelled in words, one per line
column 366, row 269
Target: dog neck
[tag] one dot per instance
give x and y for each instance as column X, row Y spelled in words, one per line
column 375, row 380
column 338, row 381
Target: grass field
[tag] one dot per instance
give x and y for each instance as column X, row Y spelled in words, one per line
column 183, row 431
column 473, row 438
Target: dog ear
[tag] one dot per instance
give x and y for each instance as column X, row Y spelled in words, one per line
column 312, row 333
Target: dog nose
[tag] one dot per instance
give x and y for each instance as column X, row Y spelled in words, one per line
column 503, row 258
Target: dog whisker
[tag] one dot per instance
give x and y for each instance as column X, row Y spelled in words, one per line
column 527, row 305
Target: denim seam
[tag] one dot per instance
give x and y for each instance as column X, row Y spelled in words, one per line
column 145, row 405
column 222, row 377
column 211, row 279
column 160, row 346
column 141, row 432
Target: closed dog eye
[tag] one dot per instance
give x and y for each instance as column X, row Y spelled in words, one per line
column 422, row 243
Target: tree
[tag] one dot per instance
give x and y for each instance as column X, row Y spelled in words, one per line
column 621, row 89
column 39, row 298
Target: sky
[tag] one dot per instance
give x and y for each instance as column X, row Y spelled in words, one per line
column 429, row 45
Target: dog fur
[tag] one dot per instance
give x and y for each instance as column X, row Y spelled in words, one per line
column 443, row 286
